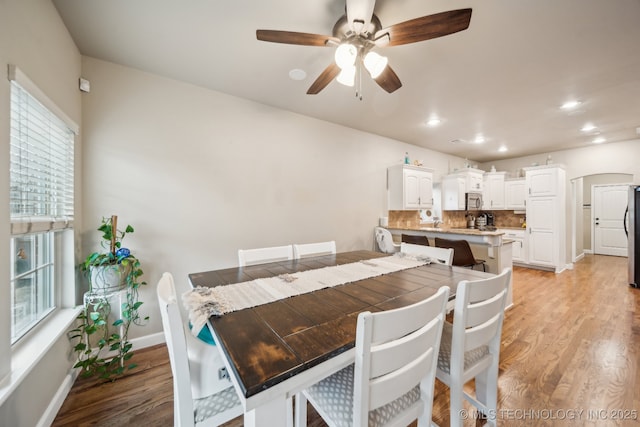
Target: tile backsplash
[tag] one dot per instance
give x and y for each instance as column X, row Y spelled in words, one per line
column 404, row 219
column 454, row 219
column 411, row 219
column 501, row 218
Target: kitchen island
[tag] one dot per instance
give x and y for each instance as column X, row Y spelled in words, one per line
column 490, row 246
column 472, row 235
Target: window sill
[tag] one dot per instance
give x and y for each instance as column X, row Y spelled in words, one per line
column 27, row 354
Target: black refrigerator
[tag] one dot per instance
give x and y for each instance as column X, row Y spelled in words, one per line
column 632, row 228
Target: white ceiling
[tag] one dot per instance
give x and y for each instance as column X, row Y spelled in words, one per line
column 504, row 77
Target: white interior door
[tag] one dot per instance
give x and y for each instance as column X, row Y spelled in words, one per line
column 609, row 203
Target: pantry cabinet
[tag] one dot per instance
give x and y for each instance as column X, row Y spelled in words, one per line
column 543, row 180
column 410, row 187
column 493, row 192
column 546, row 216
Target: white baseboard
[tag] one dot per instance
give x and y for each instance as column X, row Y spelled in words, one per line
column 565, row 267
column 147, row 341
column 588, row 251
column 50, row 413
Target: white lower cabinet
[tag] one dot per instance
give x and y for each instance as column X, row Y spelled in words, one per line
column 518, row 250
column 519, row 245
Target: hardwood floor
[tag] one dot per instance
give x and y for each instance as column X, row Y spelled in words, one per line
column 570, row 356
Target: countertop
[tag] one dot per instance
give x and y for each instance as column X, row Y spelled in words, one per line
column 452, row 230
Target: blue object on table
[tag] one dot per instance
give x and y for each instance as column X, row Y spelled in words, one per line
column 205, row 335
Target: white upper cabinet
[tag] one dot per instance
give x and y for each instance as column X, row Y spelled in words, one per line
column 493, row 193
column 410, row 187
column 453, row 189
column 515, row 193
column 457, row 184
column 472, row 178
column 542, row 181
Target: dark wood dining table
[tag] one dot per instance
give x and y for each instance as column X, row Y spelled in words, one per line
column 274, row 350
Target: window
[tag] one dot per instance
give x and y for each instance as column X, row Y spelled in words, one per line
column 41, row 201
column 31, row 281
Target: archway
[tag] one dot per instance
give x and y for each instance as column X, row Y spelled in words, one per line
column 582, row 221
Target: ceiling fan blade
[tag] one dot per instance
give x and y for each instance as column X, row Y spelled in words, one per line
column 388, row 80
column 292, row 37
column 324, row 79
column 359, row 13
column 426, row 27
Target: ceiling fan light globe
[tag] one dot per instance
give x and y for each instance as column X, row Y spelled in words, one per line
column 345, row 55
column 347, row 76
column 375, row 63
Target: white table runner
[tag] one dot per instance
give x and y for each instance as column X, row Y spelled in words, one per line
column 204, row 302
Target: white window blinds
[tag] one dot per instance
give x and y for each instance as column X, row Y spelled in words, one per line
column 41, row 164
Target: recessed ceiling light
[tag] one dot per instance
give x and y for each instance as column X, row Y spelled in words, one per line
column 433, row 122
column 588, row 127
column 297, row 74
column 570, row 105
column 503, row 148
column 599, row 140
column 479, row 139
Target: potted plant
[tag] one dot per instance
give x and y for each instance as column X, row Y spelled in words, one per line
column 101, row 335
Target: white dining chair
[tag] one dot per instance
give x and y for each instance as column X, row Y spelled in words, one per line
column 190, row 406
column 391, row 382
column 385, row 242
column 470, row 347
column 264, row 255
column 439, row 255
column 313, row 249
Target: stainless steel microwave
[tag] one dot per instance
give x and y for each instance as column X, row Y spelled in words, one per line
column 473, row 201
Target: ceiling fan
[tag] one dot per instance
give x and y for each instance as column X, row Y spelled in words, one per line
column 358, row 32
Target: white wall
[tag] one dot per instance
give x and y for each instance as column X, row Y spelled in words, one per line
column 200, row 174
column 615, row 157
column 32, row 37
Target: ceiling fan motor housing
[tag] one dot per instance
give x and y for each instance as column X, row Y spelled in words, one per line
column 343, row 30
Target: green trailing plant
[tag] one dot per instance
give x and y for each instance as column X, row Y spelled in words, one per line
column 99, row 330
